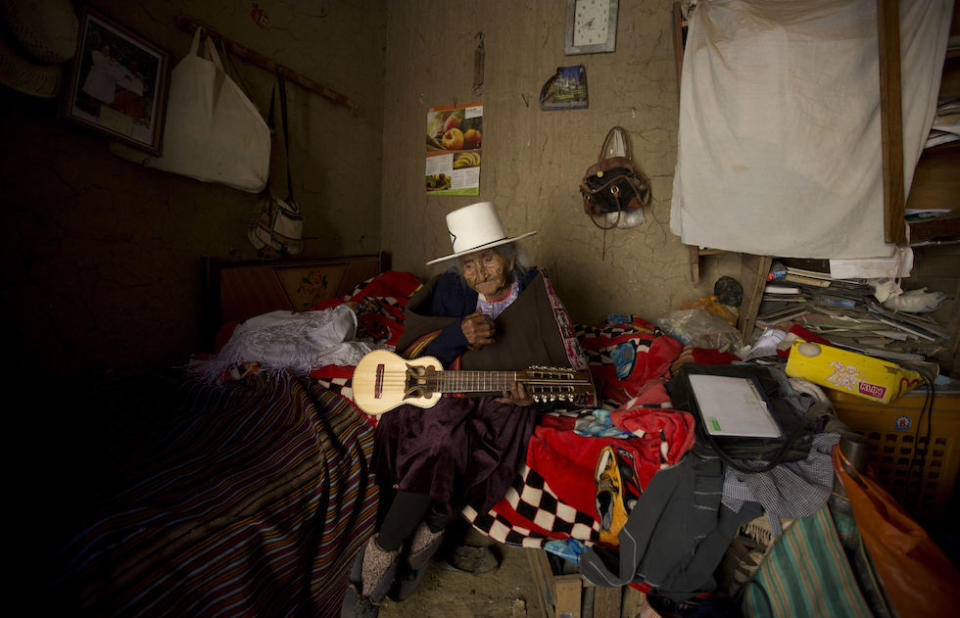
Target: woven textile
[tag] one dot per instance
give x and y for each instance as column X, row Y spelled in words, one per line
column 806, row 574
column 256, row 504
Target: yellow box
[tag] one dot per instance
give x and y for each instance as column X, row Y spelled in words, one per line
column 850, row 372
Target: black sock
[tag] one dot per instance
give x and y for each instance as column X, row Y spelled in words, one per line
column 405, row 514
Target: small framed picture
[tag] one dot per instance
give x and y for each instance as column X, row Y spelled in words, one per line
column 119, row 83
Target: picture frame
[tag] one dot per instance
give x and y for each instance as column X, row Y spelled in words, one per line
column 591, row 26
column 118, row 83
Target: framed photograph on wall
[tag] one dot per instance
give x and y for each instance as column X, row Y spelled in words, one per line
column 119, row 83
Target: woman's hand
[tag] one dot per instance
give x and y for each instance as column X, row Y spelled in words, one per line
column 517, row 395
column 478, row 329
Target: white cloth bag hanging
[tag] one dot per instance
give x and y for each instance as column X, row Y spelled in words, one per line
column 213, row 131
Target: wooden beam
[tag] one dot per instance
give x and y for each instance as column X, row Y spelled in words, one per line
column 891, row 120
column 678, row 25
column 753, row 275
column 190, row 25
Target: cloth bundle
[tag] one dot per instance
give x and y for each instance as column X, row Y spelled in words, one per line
column 295, row 341
column 213, row 132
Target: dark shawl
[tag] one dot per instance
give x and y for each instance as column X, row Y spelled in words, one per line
column 526, row 332
column 466, row 451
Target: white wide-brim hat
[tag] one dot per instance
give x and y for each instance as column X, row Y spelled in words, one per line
column 475, row 228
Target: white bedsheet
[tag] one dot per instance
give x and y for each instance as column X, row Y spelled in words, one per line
column 779, row 140
column 295, row 341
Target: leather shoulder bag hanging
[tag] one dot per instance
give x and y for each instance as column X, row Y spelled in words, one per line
column 614, row 190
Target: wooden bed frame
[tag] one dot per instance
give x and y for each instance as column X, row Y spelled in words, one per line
column 236, row 291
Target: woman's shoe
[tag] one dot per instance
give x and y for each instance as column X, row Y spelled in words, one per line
column 378, row 569
column 355, row 605
column 423, row 546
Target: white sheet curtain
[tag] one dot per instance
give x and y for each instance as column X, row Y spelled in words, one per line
column 779, row 140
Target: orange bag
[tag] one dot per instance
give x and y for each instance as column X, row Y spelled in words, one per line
column 917, row 576
column 728, row 314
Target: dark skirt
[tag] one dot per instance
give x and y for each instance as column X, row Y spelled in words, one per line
column 462, row 451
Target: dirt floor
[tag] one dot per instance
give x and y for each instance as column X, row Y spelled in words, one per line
column 508, row 592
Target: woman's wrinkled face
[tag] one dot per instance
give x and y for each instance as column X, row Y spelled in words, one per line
column 487, row 272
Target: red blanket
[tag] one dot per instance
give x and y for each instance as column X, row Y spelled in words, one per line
column 554, row 495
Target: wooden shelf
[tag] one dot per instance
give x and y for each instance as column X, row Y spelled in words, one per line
column 943, row 229
column 936, row 181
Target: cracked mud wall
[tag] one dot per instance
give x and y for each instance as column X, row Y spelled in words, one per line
column 102, row 257
column 102, row 266
column 533, row 160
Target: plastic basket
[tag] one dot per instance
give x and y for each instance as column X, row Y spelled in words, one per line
column 924, row 484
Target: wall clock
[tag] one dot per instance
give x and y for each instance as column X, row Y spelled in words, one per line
column 591, row 26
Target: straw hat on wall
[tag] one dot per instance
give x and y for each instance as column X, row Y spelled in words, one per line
column 36, row 37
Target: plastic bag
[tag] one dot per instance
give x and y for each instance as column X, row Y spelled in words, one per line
column 727, row 313
column 917, row 576
column 700, row 328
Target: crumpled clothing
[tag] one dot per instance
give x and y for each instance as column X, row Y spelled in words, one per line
column 597, row 424
column 790, row 490
column 568, row 549
column 650, row 412
column 623, row 357
column 568, row 461
column 676, row 535
column 294, row 341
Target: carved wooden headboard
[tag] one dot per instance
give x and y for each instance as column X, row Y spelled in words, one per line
column 235, row 291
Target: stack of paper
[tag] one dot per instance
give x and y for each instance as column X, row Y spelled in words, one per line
column 946, row 124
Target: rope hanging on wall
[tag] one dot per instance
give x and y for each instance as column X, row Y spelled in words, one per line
column 478, row 56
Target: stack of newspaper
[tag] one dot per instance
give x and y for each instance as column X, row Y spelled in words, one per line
column 846, row 312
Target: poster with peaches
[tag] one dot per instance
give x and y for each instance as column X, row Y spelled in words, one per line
column 454, row 138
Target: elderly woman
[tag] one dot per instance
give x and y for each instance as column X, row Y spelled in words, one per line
column 488, row 313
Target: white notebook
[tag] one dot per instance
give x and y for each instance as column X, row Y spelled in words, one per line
column 732, row 406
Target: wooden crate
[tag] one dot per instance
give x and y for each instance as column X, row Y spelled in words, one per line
column 563, row 595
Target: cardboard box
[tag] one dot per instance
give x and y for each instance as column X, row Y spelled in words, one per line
column 850, row 372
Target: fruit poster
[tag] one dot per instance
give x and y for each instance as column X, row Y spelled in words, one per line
column 454, row 139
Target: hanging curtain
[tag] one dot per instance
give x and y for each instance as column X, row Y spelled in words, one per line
column 779, row 140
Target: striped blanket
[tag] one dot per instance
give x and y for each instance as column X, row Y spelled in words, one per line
column 255, row 504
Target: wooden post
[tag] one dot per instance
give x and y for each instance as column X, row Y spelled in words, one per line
column 188, row 24
column 753, row 274
column 891, row 120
